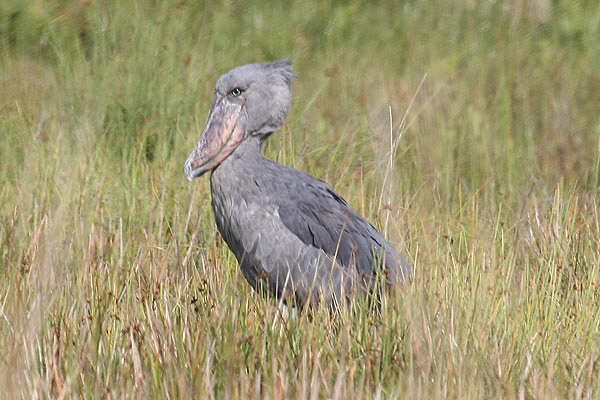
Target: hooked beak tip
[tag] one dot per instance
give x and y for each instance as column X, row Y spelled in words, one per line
column 190, row 174
column 188, row 171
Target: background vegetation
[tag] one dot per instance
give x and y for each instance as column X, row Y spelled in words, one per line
column 468, row 131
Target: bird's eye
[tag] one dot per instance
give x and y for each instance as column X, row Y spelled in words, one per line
column 235, row 92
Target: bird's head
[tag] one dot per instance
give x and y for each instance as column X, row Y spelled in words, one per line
column 251, row 100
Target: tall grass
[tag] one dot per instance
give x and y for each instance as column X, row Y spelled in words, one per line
column 115, row 283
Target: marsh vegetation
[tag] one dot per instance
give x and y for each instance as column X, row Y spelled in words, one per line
column 468, row 132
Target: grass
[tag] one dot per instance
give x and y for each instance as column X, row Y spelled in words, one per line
column 115, row 283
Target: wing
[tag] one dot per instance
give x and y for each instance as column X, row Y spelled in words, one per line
column 321, row 218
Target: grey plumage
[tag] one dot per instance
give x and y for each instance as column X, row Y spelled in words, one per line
column 292, row 235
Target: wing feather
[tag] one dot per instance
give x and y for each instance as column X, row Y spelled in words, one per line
column 321, row 218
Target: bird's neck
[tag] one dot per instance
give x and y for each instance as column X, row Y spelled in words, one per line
column 244, row 160
column 250, row 149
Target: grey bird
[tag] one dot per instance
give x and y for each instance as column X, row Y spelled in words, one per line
column 292, row 235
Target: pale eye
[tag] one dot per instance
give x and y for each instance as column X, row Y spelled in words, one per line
column 235, row 92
